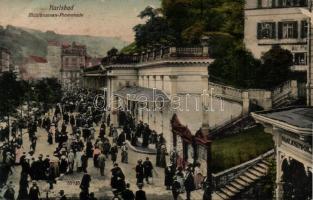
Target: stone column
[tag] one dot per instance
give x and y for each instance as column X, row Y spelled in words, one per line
column 205, row 51
column 245, row 103
column 277, row 140
column 173, row 84
column 207, row 104
column 294, row 89
column 310, row 71
column 172, row 51
column 114, row 111
column 267, row 101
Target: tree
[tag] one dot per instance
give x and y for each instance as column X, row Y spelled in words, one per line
column 11, row 94
column 112, row 52
column 155, row 31
column 48, row 92
column 275, row 67
column 238, row 67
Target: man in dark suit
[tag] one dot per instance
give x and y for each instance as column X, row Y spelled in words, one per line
column 140, row 194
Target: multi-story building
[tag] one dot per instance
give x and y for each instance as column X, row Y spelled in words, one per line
column 36, row 67
column 73, row 59
column 5, row 61
column 278, row 22
column 54, row 57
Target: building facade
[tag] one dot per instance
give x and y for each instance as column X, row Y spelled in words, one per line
column 292, row 134
column 160, row 85
column 37, row 67
column 54, row 57
column 278, row 22
column 73, row 59
column 5, row 60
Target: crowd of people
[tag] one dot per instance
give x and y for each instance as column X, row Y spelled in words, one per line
column 71, row 128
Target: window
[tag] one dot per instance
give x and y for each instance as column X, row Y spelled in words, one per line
column 287, row 30
column 292, row 3
column 266, row 30
column 266, row 3
column 300, row 59
column 304, row 29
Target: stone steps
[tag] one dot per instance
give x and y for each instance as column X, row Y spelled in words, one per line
column 235, row 186
column 243, row 181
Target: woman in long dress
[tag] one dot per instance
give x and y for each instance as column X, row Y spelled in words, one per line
column 198, row 176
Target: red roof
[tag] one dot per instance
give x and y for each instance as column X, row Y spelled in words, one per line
column 38, row 59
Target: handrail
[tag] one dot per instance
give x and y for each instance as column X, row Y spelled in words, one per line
column 234, row 172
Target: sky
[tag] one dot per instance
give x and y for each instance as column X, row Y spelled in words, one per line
column 112, row 18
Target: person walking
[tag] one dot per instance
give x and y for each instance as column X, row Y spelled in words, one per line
column 147, row 165
column 118, row 178
column 71, row 160
column 114, row 151
column 101, row 163
column 169, row 175
column 189, row 182
column 124, row 153
column 140, row 194
column 139, row 172
column 96, row 153
column 23, row 190
column 85, row 183
column 176, row 188
column 84, row 160
column 62, row 195
column 34, row 192
column 127, row 194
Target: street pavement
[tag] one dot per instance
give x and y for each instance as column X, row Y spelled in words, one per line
column 100, row 185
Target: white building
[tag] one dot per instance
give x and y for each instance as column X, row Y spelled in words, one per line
column 37, row 67
column 160, row 84
column 54, row 57
column 278, row 22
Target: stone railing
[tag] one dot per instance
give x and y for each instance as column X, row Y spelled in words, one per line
column 157, row 54
column 285, row 91
column 226, row 92
column 264, row 98
column 223, row 178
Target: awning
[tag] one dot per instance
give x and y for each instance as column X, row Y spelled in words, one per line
column 141, row 94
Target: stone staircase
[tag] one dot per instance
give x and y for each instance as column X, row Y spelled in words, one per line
column 242, row 181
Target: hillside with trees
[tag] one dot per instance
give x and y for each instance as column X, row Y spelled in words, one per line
column 23, row 42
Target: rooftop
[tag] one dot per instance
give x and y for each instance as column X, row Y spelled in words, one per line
column 38, row 59
column 300, row 117
column 297, row 120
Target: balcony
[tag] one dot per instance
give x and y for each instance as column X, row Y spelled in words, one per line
column 162, row 53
